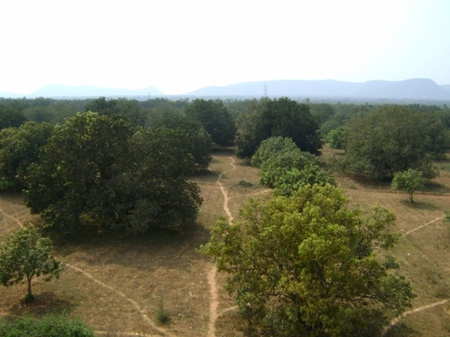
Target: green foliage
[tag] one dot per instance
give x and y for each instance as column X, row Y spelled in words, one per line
column 97, row 171
column 215, row 118
column 280, row 117
column 9, row 117
column 278, row 165
column 291, row 181
column 409, row 181
column 271, row 147
column 336, row 137
column 199, row 141
column 19, row 148
column 47, row 326
column 162, row 315
column 308, row 265
column 388, row 140
column 25, row 254
column 128, row 109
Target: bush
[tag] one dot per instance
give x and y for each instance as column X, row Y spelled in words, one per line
column 48, row 326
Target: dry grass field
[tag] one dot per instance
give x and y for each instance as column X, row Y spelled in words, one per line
column 119, row 285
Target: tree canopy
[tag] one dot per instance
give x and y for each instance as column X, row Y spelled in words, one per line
column 388, row 140
column 308, row 265
column 215, row 118
column 19, row 148
column 25, row 254
column 409, row 181
column 279, row 117
column 101, row 172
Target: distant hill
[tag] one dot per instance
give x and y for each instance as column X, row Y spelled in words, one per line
column 446, row 87
column 64, row 91
column 413, row 89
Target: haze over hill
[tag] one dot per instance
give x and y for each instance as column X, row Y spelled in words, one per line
column 410, row 90
column 64, row 91
column 413, row 89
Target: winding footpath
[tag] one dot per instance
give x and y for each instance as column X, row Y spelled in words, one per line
column 146, row 319
column 424, row 307
column 214, row 304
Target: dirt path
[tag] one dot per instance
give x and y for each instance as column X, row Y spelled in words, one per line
column 413, row 311
column 12, row 218
column 424, row 307
column 150, row 323
column 428, row 223
column 214, row 304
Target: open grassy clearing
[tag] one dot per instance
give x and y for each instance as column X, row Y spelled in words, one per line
column 117, row 285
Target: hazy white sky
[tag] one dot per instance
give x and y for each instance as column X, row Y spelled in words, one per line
column 182, row 45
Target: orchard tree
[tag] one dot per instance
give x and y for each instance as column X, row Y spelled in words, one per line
column 388, row 140
column 10, row 117
column 288, row 182
column 19, row 148
column 272, row 118
column 271, row 147
column 25, row 254
column 310, row 265
column 198, row 140
column 215, row 118
column 101, row 172
column 409, row 181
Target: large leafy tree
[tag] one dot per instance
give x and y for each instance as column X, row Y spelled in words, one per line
column 24, row 255
column 128, row 109
column 10, row 117
column 19, row 148
column 279, row 117
column 98, row 171
column 215, row 118
column 388, row 140
column 199, row 141
column 310, row 265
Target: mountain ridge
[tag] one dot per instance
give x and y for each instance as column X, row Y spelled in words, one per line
column 422, row 89
column 418, row 89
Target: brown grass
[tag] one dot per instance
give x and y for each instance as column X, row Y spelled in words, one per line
column 131, row 277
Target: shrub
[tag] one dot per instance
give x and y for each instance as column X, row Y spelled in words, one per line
column 49, row 326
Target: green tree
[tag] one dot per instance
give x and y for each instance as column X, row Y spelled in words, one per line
column 25, row 254
column 278, row 165
column 388, row 140
column 308, row 265
column 409, row 181
column 292, row 180
column 271, row 147
column 198, row 142
column 50, row 325
column 99, row 172
column 272, row 118
column 215, row 118
column 10, row 117
column 336, row 137
column 19, row 148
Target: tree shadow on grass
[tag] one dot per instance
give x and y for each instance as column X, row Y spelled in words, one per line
column 399, row 330
column 43, row 304
column 420, row 205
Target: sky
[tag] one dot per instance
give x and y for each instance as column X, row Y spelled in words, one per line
column 178, row 46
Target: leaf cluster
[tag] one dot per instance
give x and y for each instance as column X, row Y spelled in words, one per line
column 393, row 139
column 26, row 254
column 48, row 326
column 307, row 265
column 101, row 172
column 272, row 118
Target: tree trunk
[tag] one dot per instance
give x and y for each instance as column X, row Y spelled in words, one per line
column 29, row 288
